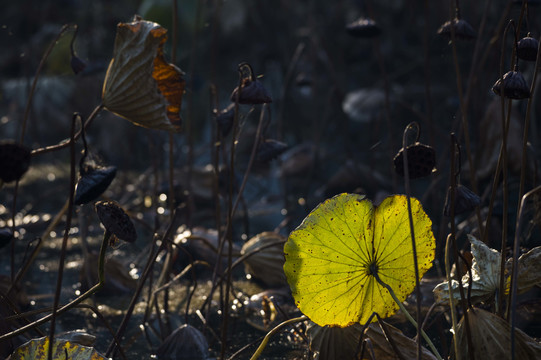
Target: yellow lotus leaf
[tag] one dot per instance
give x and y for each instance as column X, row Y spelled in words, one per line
column 140, row 85
column 37, row 349
column 331, row 258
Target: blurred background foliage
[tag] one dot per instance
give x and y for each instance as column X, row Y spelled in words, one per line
column 344, row 101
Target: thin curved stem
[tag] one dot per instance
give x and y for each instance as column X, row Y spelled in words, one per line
column 451, row 298
column 408, row 316
column 453, row 151
column 36, row 77
column 464, row 117
column 524, row 164
column 66, row 143
column 271, row 333
column 514, row 271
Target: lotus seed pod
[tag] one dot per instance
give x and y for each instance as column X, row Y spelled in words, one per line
column 527, row 48
column 363, row 28
column 14, row 160
column 514, row 86
column 116, row 221
column 421, row 161
column 463, row 30
column 252, row 91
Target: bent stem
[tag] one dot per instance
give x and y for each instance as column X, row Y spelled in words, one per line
column 408, row 316
column 271, row 333
column 514, row 270
column 412, row 232
column 86, row 295
column 451, row 298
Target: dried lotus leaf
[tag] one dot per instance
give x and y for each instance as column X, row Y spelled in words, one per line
column 140, row 85
column 329, row 342
column 529, row 270
column 485, row 271
column 93, row 183
column 491, row 338
column 342, row 343
column 384, row 350
column 267, row 264
column 186, row 342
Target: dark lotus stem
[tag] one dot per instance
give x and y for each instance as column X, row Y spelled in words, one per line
column 236, row 204
column 111, row 350
column 412, row 232
column 514, row 271
column 464, row 117
column 502, row 163
column 36, row 77
column 408, row 316
column 524, row 164
column 64, row 144
column 452, row 307
column 60, row 276
column 237, row 262
column 454, row 146
column 227, row 234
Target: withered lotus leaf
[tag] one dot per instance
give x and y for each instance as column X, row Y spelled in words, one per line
column 491, row 338
column 266, row 265
column 186, row 342
column 140, row 85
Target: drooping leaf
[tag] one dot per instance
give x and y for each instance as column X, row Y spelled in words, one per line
column 266, row 265
column 529, row 270
column 140, row 85
column 93, row 183
column 485, row 275
column 491, row 336
column 185, row 343
column 329, row 342
column 332, row 256
column 37, row 349
column 384, row 350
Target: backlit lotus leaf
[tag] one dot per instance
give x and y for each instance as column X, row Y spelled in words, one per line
column 140, row 85
column 37, row 349
column 333, row 256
